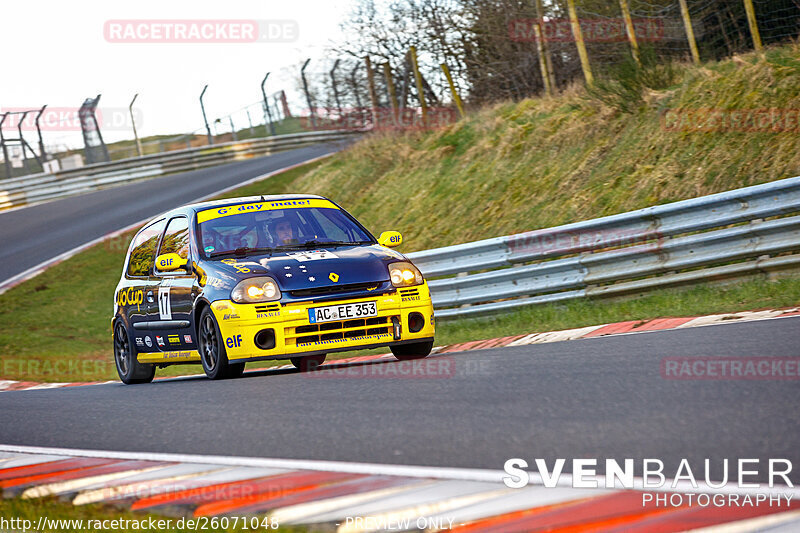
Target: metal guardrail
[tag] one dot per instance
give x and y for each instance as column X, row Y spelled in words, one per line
column 717, row 236
column 34, row 188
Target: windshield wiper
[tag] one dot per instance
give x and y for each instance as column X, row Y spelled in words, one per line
column 315, row 244
column 243, row 251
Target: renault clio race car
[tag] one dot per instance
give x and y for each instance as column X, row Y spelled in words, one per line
column 295, row 277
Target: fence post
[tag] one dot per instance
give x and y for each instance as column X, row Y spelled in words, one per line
column 336, row 89
column 373, row 97
column 203, row 108
column 308, row 95
column 233, row 129
column 548, row 58
column 133, row 123
column 287, row 113
column 266, row 106
column 687, row 23
column 751, row 20
column 578, row 34
column 537, row 29
column 626, row 14
column 456, row 97
column 387, row 72
column 412, row 52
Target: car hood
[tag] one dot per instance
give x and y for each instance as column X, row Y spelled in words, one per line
column 320, row 267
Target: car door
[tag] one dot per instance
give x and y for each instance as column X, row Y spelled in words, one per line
column 136, row 297
column 172, row 314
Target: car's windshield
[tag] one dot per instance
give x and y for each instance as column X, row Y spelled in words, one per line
column 250, row 229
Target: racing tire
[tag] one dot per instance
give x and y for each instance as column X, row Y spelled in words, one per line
column 130, row 370
column 308, row 363
column 412, row 350
column 213, row 355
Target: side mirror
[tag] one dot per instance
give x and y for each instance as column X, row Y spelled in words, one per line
column 390, row 239
column 170, row 262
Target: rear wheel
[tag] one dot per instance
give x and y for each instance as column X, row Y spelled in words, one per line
column 412, row 350
column 212, row 350
column 308, row 363
column 129, row 369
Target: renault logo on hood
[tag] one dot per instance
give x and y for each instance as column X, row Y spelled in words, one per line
column 334, row 277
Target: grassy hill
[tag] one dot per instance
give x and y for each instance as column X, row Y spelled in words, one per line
column 542, row 162
column 509, row 168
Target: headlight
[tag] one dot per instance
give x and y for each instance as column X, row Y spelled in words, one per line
column 404, row 274
column 255, row 290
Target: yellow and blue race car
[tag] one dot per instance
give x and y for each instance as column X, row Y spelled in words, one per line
column 295, row 277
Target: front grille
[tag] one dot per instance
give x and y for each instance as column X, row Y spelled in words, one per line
column 347, row 329
column 266, row 308
column 409, row 292
column 334, row 289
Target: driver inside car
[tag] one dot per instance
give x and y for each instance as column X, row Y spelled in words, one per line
column 282, row 231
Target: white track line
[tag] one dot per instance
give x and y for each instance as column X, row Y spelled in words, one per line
column 377, row 469
column 44, row 265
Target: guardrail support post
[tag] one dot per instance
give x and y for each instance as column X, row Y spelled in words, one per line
column 205, row 119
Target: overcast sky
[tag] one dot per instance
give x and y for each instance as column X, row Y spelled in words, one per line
column 56, row 53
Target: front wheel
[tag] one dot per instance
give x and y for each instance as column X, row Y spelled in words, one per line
column 129, row 369
column 308, row 363
column 412, row 350
column 212, row 350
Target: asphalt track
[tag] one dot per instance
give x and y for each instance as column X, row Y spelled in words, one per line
column 32, row 235
column 592, row 398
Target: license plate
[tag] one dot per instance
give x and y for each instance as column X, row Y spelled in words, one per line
column 332, row 313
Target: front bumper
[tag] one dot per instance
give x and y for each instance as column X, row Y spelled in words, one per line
column 294, row 335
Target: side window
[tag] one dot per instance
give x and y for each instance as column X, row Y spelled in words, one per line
column 143, row 249
column 176, row 238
